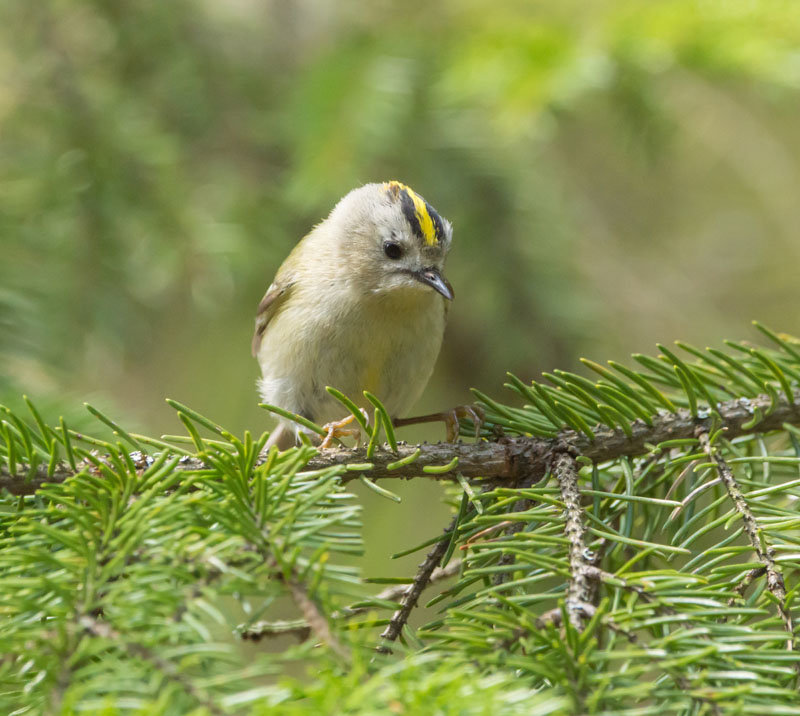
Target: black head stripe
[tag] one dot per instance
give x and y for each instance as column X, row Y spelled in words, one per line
column 410, row 212
column 438, row 224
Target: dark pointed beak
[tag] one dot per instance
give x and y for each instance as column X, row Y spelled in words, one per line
column 433, row 278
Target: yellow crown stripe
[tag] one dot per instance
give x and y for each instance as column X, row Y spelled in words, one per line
column 424, row 218
column 426, row 224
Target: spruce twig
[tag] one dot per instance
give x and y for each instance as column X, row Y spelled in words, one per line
column 756, row 538
column 301, row 629
column 578, row 589
column 411, row 593
column 505, row 460
column 315, row 619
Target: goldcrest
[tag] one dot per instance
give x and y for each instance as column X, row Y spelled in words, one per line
column 359, row 304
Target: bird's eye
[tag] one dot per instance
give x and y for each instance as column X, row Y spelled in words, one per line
column 392, row 250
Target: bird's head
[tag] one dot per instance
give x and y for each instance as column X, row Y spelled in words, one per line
column 392, row 239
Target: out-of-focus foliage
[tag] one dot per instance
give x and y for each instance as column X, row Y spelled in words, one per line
column 616, row 172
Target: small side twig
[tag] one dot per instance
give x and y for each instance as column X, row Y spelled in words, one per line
column 314, row 618
column 392, row 594
column 301, row 629
column 313, row 621
column 263, row 629
column 752, row 529
column 411, row 593
column 580, row 569
column 587, row 611
column 745, row 582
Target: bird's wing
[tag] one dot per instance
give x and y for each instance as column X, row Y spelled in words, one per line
column 273, row 299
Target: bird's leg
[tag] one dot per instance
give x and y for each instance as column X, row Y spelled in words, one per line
column 450, row 419
column 339, row 429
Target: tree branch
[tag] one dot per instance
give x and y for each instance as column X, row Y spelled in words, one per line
column 301, row 629
column 504, row 460
column 756, row 538
column 578, row 590
column 262, row 629
column 411, row 593
column 315, row 619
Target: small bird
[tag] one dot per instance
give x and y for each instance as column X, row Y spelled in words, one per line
column 359, row 304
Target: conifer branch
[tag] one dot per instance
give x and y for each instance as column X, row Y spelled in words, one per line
column 219, row 515
column 263, row 629
column 392, row 594
column 301, row 629
column 578, row 590
column 756, row 538
column 315, row 619
column 744, row 583
column 412, row 592
column 505, row 460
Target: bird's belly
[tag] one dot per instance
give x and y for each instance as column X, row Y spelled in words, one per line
column 394, row 365
column 387, row 349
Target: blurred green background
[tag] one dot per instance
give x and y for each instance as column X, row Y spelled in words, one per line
column 617, row 173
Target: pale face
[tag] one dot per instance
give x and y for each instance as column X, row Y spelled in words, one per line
column 395, row 241
column 401, row 260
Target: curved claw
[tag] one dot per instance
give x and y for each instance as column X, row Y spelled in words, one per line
column 477, row 415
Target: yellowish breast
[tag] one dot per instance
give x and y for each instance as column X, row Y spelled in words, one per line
column 402, row 345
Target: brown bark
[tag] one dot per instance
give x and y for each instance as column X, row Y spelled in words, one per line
column 507, row 459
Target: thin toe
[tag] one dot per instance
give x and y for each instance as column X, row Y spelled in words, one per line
column 339, row 429
column 476, row 414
